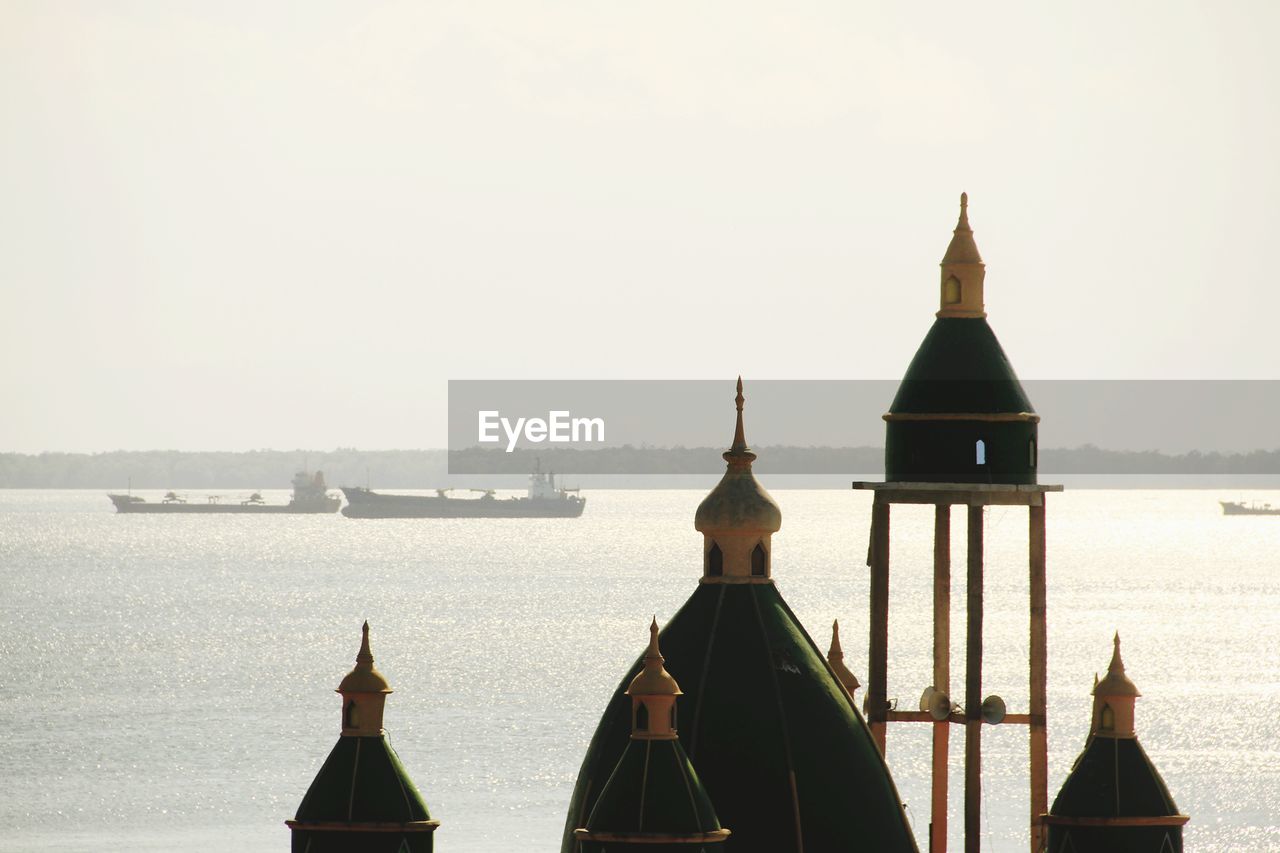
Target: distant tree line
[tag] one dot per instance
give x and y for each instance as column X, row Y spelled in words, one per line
column 422, row 469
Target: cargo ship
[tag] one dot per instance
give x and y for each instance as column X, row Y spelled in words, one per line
column 544, row 500
column 310, row 495
column 1253, row 508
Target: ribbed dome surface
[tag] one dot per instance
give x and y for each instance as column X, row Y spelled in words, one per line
column 784, row 756
column 1113, row 777
column 363, row 780
column 654, row 790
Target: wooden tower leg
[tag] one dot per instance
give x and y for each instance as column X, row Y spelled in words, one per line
column 973, row 690
column 1039, row 680
column 878, row 648
column 941, row 671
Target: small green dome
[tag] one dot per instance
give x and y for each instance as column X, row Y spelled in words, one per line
column 362, row 782
column 654, row 798
column 1113, row 777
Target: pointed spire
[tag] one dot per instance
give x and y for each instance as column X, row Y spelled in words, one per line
column 654, row 654
column 1115, row 682
column 835, row 657
column 363, row 678
column 962, row 250
column 653, row 679
column 364, row 656
column 738, row 452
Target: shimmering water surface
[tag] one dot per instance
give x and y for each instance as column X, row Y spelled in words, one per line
column 167, row 681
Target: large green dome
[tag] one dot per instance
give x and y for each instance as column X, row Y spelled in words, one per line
column 778, row 744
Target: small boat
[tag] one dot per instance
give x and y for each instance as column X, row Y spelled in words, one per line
column 310, row 495
column 1251, row 508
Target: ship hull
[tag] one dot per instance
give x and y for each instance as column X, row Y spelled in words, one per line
column 123, row 504
column 362, row 503
column 1232, row 508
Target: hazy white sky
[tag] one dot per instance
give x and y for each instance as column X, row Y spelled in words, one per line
column 243, row 224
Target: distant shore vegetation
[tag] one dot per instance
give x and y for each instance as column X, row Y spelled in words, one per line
column 606, row 467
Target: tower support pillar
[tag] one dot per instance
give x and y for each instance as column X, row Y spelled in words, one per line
column 975, row 497
column 941, row 672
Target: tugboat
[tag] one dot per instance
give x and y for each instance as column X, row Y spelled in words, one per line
column 310, row 495
column 544, row 500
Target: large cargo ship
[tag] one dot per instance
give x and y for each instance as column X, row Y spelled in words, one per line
column 544, row 500
column 310, row 495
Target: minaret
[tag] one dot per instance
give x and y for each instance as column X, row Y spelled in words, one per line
column 835, row 657
column 1113, row 800
column 738, row 518
column 362, row 800
column 963, row 271
column 653, row 799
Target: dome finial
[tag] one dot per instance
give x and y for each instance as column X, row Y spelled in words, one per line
column 1116, row 667
column 654, row 653
column 363, row 677
column 835, row 657
column 739, row 450
column 1116, row 682
column 962, row 249
column 653, row 679
column 364, row 657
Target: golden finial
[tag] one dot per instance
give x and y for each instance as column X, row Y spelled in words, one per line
column 739, row 449
column 653, row 679
column 364, row 656
column 962, row 249
column 1115, row 682
column 835, row 657
column 654, row 653
column 1116, row 665
column 835, row 653
column 363, row 678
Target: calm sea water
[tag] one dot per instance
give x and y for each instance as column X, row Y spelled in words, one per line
column 167, row 681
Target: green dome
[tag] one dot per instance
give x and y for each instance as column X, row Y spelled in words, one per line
column 960, row 367
column 961, row 415
column 653, row 792
column 779, row 747
column 362, row 800
column 1113, row 777
column 1109, row 801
